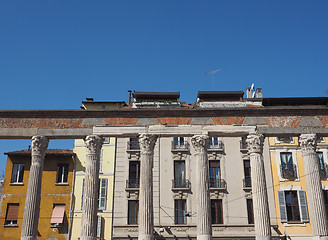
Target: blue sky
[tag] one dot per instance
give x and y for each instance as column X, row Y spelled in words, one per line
column 54, row 54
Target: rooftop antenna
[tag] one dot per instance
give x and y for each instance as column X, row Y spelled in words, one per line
column 212, row 74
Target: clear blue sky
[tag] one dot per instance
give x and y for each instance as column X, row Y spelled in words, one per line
column 54, row 54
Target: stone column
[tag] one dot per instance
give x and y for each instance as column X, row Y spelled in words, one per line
column 33, row 196
column 313, row 186
column 259, row 189
column 91, row 186
column 146, row 211
column 204, row 221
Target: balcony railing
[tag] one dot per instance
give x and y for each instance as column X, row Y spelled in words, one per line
column 217, row 183
column 218, row 146
column 133, row 145
column 133, row 183
column 323, row 171
column 247, row 182
column 180, row 145
column 181, row 183
column 288, row 171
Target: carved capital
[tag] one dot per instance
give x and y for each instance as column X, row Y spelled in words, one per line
column 200, row 143
column 93, row 143
column 147, row 143
column 39, row 145
column 308, row 143
column 255, row 143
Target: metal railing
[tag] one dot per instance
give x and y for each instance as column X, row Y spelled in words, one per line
column 247, row 182
column 179, row 145
column 133, row 145
column 181, row 183
column 216, row 146
column 289, row 171
column 217, row 183
column 133, row 183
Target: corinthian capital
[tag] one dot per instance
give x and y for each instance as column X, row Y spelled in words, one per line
column 255, row 143
column 39, row 145
column 93, row 143
column 147, row 143
column 308, row 143
column 200, row 143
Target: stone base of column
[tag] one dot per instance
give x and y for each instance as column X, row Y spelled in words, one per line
column 87, row 238
column 28, row 238
column 204, row 237
column 263, row 237
column 145, row 237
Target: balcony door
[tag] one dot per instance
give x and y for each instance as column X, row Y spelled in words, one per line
column 179, row 174
column 215, row 174
column 134, row 174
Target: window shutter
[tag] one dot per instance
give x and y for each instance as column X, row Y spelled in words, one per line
column 102, row 194
column 303, row 206
column 82, row 193
column 282, row 206
column 98, row 226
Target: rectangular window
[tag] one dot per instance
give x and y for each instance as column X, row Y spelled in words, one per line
column 18, row 173
column 250, row 213
column 293, row 206
column 247, row 174
column 102, row 196
column 180, row 211
column 213, row 142
column 58, row 212
column 215, row 175
column 288, row 171
column 179, row 142
column 12, row 214
column 62, row 173
column 134, row 144
column 179, row 174
column 216, row 211
column 133, row 212
column 321, row 161
column 325, row 196
column 134, row 174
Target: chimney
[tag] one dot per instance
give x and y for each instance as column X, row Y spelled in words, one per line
column 248, row 93
column 259, row 93
column 129, row 97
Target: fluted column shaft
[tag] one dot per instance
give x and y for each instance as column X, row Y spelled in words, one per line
column 259, row 189
column 91, row 186
column 204, row 223
column 313, row 186
column 146, row 211
column 33, row 196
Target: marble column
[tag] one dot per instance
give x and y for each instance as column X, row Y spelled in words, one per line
column 313, row 186
column 146, row 211
column 204, row 221
column 91, row 186
column 33, row 196
column 259, row 188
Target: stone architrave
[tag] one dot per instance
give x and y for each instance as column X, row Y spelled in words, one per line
column 204, row 223
column 146, row 211
column 313, row 186
column 259, row 189
column 91, row 186
column 33, row 196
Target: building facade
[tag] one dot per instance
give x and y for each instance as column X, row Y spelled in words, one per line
column 55, row 200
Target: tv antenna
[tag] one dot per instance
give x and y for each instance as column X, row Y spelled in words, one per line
column 212, row 74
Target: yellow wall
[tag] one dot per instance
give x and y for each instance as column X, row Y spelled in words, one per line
column 107, row 171
column 50, row 194
column 289, row 229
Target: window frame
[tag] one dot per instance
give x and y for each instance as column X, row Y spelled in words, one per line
column 62, row 173
column 133, row 220
column 18, row 172
column 217, row 214
column 250, row 210
column 11, row 222
column 180, row 213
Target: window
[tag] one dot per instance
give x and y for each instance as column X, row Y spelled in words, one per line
column 102, row 196
column 179, row 142
column 293, row 206
column 250, row 213
column 179, row 174
column 180, row 211
column 62, row 173
column 57, row 217
column 215, row 178
column 284, row 139
column 133, row 212
column 247, row 174
column 12, row 214
column 133, row 144
column 216, row 211
column 325, row 197
column 99, row 226
column 288, row 170
column 106, row 140
column 134, row 174
column 214, row 142
column 322, row 166
column 18, row 173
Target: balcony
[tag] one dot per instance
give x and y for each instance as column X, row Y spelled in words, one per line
column 288, row 171
column 247, row 183
column 180, row 146
column 132, row 183
column 218, row 183
column 216, row 147
column 181, row 184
